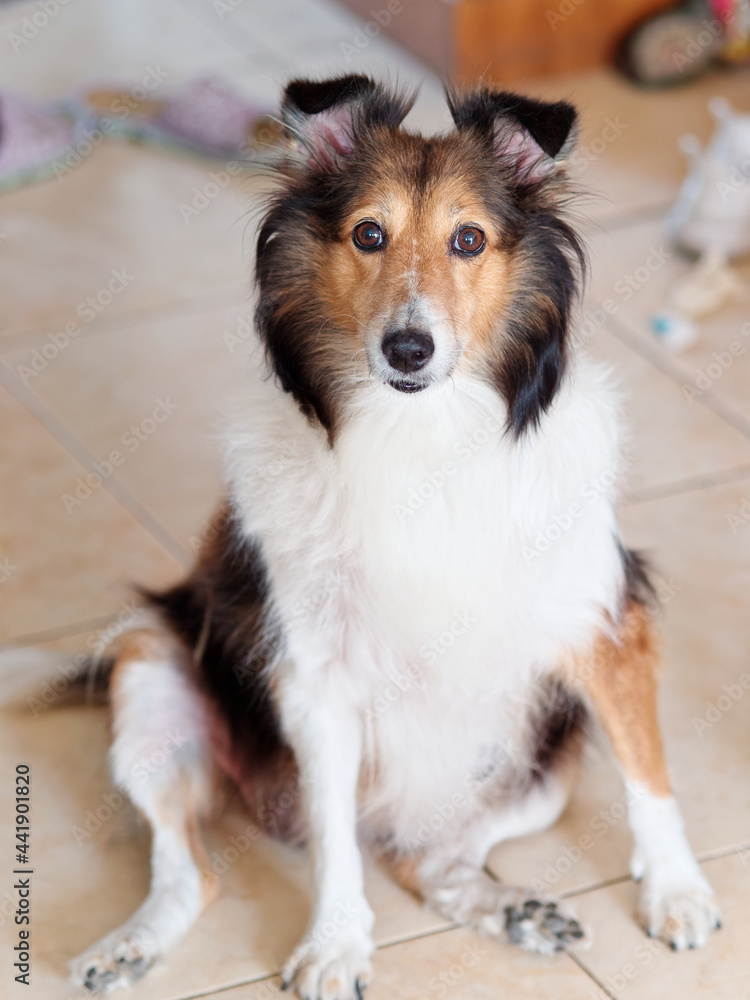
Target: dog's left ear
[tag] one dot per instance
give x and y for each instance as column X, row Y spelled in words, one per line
column 324, row 117
column 531, row 138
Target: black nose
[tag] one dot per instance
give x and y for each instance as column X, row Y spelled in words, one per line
column 408, row 350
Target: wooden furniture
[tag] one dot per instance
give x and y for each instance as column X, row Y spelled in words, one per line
column 503, row 40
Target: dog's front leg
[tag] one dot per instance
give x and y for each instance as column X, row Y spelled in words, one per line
column 324, row 728
column 677, row 903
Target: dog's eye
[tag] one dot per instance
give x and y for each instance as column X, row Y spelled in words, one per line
column 469, row 240
column 368, row 235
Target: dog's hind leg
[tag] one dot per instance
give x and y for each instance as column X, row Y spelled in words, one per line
column 449, row 874
column 677, row 903
column 161, row 758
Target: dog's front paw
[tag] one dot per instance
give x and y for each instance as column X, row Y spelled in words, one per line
column 115, row 962
column 337, row 969
column 682, row 913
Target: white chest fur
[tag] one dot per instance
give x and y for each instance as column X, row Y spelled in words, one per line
column 430, row 555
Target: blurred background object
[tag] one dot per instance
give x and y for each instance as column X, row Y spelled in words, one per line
column 508, row 39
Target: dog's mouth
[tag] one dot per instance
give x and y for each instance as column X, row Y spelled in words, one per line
column 406, row 385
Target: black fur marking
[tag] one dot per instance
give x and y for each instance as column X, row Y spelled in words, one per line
column 379, row 108
column 549, row 125
column 220, row 615
column 559, row 727
column 532, row 365
column 638, row 587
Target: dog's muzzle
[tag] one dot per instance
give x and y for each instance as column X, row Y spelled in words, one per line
column 407, row 351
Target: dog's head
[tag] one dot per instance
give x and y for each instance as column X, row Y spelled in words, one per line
column 407, row 260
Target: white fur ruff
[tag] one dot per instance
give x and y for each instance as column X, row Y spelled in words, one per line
column 406, row 566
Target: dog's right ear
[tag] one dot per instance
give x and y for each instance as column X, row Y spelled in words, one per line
column 324, row 117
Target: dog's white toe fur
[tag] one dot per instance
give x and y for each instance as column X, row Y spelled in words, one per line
column 338, row 969
column 682, row 915
column 117, row 961
column 677, row 903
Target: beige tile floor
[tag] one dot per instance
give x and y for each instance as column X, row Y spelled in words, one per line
column 162, row 338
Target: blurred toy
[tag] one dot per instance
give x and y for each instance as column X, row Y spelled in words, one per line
column 36, row 135
column 41, row 139
column 202, row 116
column 682, row 41
column 711, row 219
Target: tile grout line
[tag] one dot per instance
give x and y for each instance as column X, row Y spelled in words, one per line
column 674, row 372
column 604, row 884
column 125, row 320
column 418, row 936
column 690, row 484
column 240, row 31
column 59, row 632
column 587, row 972
column 80, row 452
column 231, row 986
column 609, row 225
column 722, row 853
column 622, row 879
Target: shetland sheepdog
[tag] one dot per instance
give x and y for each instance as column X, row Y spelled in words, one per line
column 374, row 646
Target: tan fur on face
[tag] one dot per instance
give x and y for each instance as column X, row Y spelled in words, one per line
column 620, row 677
column 363, row 292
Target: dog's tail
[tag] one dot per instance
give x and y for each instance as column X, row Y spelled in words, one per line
column 40, row 679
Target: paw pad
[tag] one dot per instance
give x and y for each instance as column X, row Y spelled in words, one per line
column 541, row 926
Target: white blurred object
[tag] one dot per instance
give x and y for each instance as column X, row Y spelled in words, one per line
column 707, row 287
column 711, row 218
column 712, row 211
